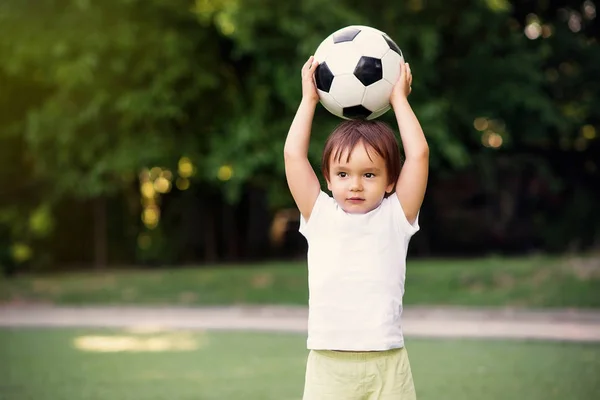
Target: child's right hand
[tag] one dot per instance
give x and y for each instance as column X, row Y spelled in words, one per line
column 309, row 89
column 403, row 86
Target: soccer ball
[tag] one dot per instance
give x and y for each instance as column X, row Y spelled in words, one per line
column 358, row 66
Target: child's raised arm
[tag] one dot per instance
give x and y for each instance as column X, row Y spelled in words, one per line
column 412, row 181
column 302, row 181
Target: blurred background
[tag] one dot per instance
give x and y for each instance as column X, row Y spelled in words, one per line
column 151, row 133
column 141, row 152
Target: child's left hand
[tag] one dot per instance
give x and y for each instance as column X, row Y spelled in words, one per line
column 403, row 87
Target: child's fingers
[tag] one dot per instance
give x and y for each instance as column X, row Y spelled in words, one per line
column 313, row 65
column 402, row 73
column 310, row 67
column 308, row 63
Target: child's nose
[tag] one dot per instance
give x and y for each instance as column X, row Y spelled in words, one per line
column 356, row 184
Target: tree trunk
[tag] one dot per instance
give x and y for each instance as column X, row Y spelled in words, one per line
column 210, row 233
column 257, row 227
column 230, row 233
column 100, row 233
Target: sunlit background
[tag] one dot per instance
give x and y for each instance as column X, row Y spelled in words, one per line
column 152, row 135
column 141, row 165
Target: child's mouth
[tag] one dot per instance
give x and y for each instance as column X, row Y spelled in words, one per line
column 355, row 200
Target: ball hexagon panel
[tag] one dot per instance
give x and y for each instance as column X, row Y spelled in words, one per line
column 368, row 70
column 377, row 95
column 346, row 34
column 392, row 44
column 347, row 90
column 366, row 28
column 342, row 58
column 329, row 103
column 391, row 66
column 379, row 113
column 323, row 77
column 356, row 112
column 371, row 43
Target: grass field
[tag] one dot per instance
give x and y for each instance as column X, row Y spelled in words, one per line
column 520, row 282
column 119, row 364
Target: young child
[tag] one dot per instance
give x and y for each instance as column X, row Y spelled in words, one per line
column 357, row 245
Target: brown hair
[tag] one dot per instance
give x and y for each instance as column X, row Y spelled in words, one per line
column 375, row 134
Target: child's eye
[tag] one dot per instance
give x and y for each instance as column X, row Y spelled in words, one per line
column 370, row 175
column 342, row 174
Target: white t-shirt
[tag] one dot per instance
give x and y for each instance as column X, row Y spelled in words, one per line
column 356, row 272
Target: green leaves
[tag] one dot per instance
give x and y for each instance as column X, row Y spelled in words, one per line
column 91, row 92
column 121, row 82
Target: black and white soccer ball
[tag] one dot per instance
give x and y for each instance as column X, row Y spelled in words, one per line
column 358, row 66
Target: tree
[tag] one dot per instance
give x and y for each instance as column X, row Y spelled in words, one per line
column 122, row 85
column 100, row 99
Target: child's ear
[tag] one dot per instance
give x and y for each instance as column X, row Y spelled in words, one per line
column 328, row 184
column 390, row 188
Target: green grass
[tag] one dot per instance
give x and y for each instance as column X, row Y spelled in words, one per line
column 518, row 282
column 58, row 365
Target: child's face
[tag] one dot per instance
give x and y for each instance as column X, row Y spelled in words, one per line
column 360, row 184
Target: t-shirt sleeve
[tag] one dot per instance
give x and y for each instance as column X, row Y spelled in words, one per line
column 400, row 217
column 321, row 203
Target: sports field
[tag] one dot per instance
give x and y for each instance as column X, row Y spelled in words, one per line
column 74, row 364
column 534, row 282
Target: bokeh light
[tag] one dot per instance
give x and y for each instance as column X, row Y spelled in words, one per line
column 151, row 216
column 491, row 139
column 588, row 132
column 225, row 173
column 21, row 252
column 182, row 183
column 155, row 173
column 185, row 167
column 481, row 124
column 147, row 189
column 589, row 10
column 533, row 29
column 498, row 5
column 162, row 185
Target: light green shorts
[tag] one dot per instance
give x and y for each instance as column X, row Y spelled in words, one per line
column 377, row 375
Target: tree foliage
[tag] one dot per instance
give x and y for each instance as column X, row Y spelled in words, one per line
column 93, row 92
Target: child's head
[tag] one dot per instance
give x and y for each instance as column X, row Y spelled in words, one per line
column 361, row 163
